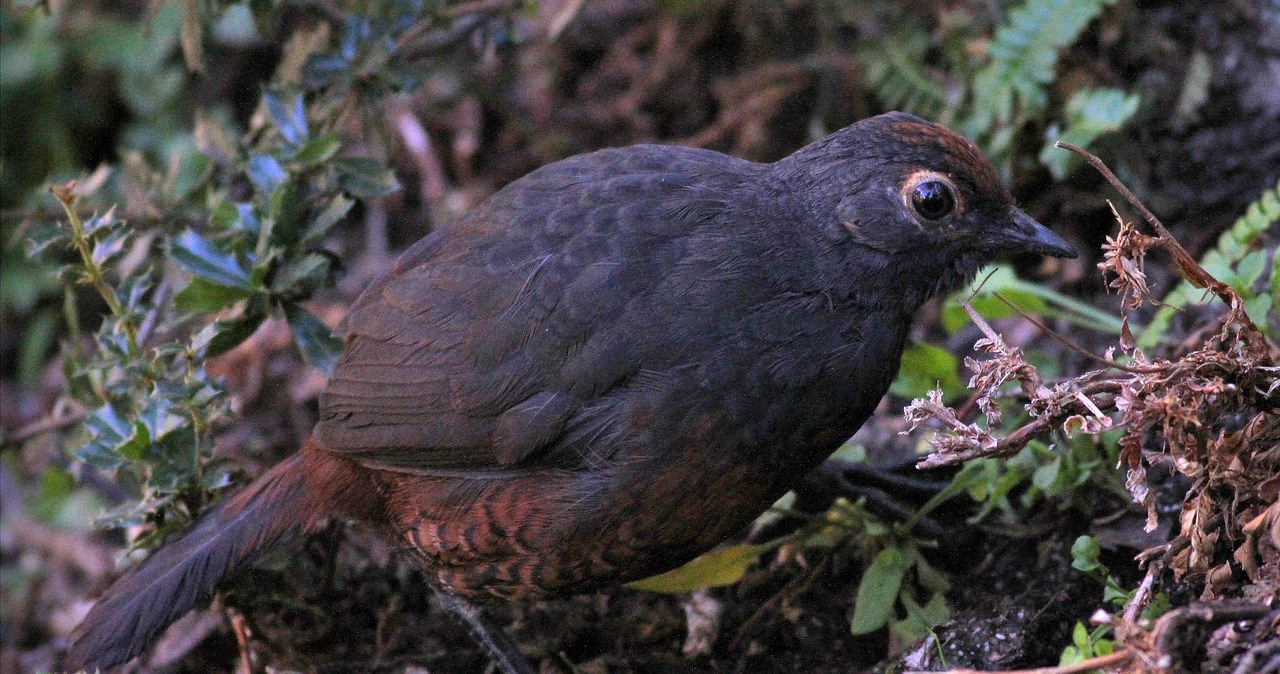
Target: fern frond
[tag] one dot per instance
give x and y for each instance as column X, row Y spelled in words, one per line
column 1233, row 263
column 1090, row 113
column 894, row 67
column 1023, row 55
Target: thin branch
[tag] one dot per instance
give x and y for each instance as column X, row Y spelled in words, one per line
column 242, row 640
column 1141, row 595
column 1061, row 339
column 42, row 426
column 1186, row 264
column 1110, row 660
column 1017, row 439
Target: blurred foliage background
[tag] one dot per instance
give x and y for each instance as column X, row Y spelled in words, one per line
column 243, row 168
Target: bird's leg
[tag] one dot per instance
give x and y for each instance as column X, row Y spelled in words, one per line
column 490, row 635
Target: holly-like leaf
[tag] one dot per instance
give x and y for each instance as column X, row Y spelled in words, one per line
column 365, row 178
column 201, row 296
column 112, row 438
column 290, row 117
column 301, row 277
column 199, row 256
column 332, row 214
column 288, row 210
column 314, row 339
column 265, row 173
column 220, row 337
column 317, row 150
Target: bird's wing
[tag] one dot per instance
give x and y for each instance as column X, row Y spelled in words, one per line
column 502, row 334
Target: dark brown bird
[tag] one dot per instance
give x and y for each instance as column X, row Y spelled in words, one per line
column 610, row 366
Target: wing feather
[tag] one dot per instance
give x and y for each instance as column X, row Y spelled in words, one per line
column 502, row 338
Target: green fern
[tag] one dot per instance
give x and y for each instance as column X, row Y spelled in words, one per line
column 1090, row 114
column 895, row 70
column 1232, row 262
column 993, row 99
column 1023, row 55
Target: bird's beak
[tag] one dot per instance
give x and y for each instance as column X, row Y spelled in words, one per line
column 1025, row 235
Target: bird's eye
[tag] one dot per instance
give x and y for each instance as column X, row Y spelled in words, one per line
column 933, row 199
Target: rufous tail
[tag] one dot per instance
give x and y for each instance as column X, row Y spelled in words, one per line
column 292, row 498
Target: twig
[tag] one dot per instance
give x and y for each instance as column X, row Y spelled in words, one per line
column 61, row 548
column 481, row 7
column 1017, row 439
column 1061, row 339
column 1187, row 265
column 42, row 426
column 242, row 639
column 1141, row 595
column 1110, row 660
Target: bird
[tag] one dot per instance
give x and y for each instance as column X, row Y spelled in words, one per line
column 608, row 367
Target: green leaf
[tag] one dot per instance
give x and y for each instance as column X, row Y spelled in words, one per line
column 928, row 577
column 1112, row 593
column 337, row 209
column 112, row 438
column 1031, row 297
column 216, row 477
column 189, row 175
column 220, row 337
column 1080, row 637
column 365, row 178
column 1046, row 476
column 202, row 296
column 159, row 419
column 317, row 150
column 990, row 307
column 265, row 173
column 1091, row 113
column 173, row 460
column 150, row 94
column 288, row 211
column 1024, row 53
column 972, row 478
column 925, row 366
column 199, row 256
column 136, row 446
column 1233, row 244
column 38, row 338
column 41, row 237
column 878, row 591
column 224, row 216
column 290, row 118
column 314, row 339
column 717, row 568
column 921, row 620
column 896, row 71
column 1248, row 271
column 1084, row 554
column 1258, row 309
column 302, row 277
column 107, row 248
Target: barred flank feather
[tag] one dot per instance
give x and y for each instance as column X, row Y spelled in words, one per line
column 133, row 612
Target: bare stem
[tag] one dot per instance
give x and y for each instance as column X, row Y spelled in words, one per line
column 66, row 196
column 1186, row 264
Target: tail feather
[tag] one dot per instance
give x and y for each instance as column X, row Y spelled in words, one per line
column 133, row 612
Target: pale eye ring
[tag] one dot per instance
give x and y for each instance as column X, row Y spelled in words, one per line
column 933, row 199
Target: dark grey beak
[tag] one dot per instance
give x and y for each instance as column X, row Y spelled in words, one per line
column 1025, row 235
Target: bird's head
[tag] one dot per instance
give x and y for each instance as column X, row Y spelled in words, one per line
column 903, row 193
